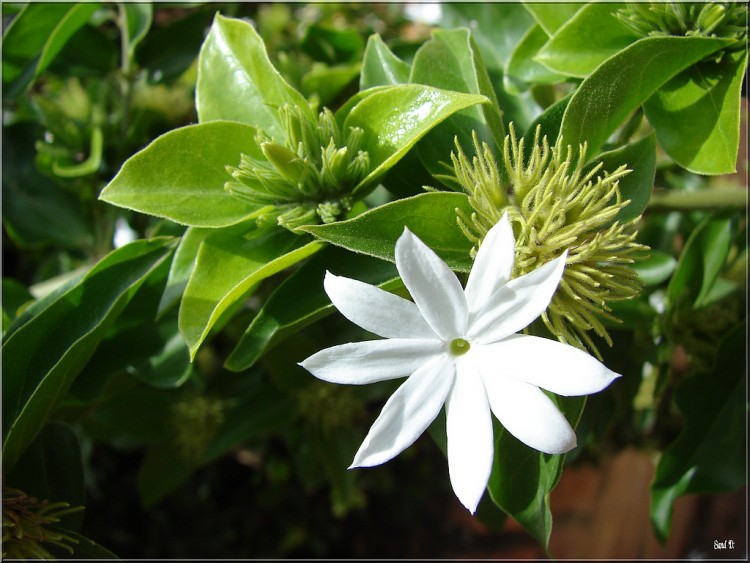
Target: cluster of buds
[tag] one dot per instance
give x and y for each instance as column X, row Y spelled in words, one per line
column 554, row 203
column 28, row 524
column 307, row 179
column 704, row 19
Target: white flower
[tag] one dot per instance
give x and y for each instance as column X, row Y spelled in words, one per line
column 460, row 347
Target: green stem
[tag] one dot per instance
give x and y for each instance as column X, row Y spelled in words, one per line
column 719, row 198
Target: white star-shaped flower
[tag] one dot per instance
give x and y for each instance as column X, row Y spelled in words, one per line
column 460, row 348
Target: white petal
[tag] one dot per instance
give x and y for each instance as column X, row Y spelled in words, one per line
column 551, row 365
column 515, row 305
column 492, row 265
column 433, row 286
column 408, row 413
column 378, row 311
column 469, row 430
column 357, row 363
column 527, row 413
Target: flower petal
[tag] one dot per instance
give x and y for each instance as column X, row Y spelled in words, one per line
column 469, row 430
column 408, row 413
column 527, row 413
column 357, row 363
column 551, row 365
column 492, row 265
column 378, row 311
column 433, row 286
column 515, row 305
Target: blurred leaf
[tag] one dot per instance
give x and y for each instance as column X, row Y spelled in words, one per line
column 301, row 300
column 697, row 114
column 51, row 469
column 36, row 211
column 496, row 27
column 394, row 118
column 588, row 38
column 15, row 295
column 238, row 82
column 85, row 548
column 451, row 60
column 230, row 263
column 430, row 216
column 35, row 37
column 700, row 262
column 43, row 357
column 656, row 268
column 523, row 478
column 709, row 455
column 523, row 69
column 181, row 175
column 551, row 17
column 331, row 45
column 328, row 81
column 640, row 158
column 162, row 472
column 137, row 20
column 380, row 67
column 626, row 80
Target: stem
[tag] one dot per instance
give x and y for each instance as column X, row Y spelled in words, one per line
column 718, row 198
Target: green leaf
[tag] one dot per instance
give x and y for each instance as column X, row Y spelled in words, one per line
column 43, row 357
column 626, row 80
column 183, row 264
column 181, row 175
column 549, row 122
column 137, row 20
column 701, row 260
column 230, row 263
column 522, row 69
column 709, row 454
column 380, row 67
column 394, row 118
column 162, row 472
column 656, row 268
column 15, row 295
column 85, row 548
column 430, row 216
column 327, row 82
column 523, row 478
column 640, row 157
column 238, row 82
column 697, row 115
column 451, row 60
column 496, row 27
column 35, row 37
column 51, row 469
column 586, row 40
column 301, row 300
column 553, row 16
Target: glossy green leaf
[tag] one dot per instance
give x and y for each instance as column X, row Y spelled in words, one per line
column 656, row 268
column 238, row 82
column 523, row 478
column 301, row 300
column 380, row 67
column 430, row 216
column 588, row 38
column 229, row 265
column 394, row 118
column 51, row 469
column 552, row 16
column 183, row 264
column 623, row 82
column 496, row 27
column 640, row 158
column 701, row 261
column 522, row 69
column 43, row 357
column 709, row 455
column 181, row 175
column 697, row 115
column 451, row 60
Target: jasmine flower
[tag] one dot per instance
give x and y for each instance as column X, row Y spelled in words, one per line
column 460, row 348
